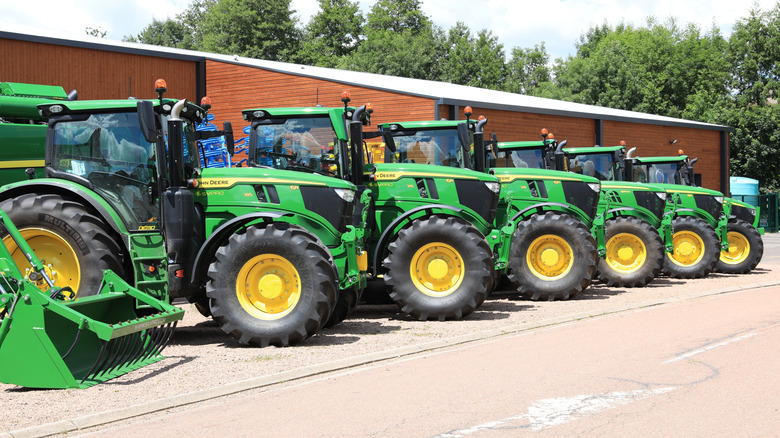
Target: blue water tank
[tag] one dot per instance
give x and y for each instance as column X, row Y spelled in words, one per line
column 744, row 189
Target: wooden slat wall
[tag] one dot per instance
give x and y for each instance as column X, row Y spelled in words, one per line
column 95, row 74
column 233, row 88
column 653, row 141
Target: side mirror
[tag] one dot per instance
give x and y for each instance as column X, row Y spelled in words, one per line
column 146, row 120
column 230, row 143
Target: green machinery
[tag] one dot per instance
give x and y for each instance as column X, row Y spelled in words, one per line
column 633, row 214
column 23, row 128
column 698, row 220
column 266, row 252
column 48, row 339
column 425, row 227
column 539, row 234
column 745, row 246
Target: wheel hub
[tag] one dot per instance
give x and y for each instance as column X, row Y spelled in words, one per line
column 688, row 248
column 625, row 252
column 739, row 249
column 437, row 269
column 61, row 264
column 268, row 286
column 550, row 257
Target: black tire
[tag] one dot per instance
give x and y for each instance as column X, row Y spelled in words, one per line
column 635, row 253
column 88, row 247
column 696, row 249
column 442, row 242
column 575, row 261
column 746, row 248
column 293, row 253
column 345, row 305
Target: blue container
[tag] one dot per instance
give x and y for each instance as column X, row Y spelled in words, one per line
column 744, row 189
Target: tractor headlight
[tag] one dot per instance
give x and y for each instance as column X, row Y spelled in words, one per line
column 719, row 199
column 661, row 195
column 596, row 187
column 345, row 194
column 752, row 211
column 494, row 187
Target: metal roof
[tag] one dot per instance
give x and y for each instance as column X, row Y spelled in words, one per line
column 442, row 92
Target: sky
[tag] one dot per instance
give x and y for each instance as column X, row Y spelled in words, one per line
column 516, row 23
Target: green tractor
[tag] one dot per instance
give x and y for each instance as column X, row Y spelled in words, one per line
column 696, row 214
column 633, row 214
column 540, row 234
column 425, row 227
column 745, row 246
column 22, row 126
column 264, row 251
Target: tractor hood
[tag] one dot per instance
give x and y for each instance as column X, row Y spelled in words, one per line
column 392, row 171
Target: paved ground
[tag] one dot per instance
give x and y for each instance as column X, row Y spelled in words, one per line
column 203, row 363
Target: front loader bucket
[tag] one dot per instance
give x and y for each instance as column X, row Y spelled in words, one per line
column 48, row 341
column 85, row 341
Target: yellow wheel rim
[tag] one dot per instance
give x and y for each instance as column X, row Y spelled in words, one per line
column 550, row 257
column 268, row 287
column 437, row 269
column 625, row 252
column 59, row 259
column 688, row 248
column 739, row 249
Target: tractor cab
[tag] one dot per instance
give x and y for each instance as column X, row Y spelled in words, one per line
column 662, row 170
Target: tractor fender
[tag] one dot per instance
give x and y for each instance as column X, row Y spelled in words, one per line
column 73, row 191
column 380, row 245
column 219, row 236
column 539, row 208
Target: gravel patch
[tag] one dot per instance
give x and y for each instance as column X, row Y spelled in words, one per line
column 201, row 357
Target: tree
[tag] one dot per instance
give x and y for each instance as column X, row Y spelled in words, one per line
column 169, row 33
column 477, row 62
column 400, row 41
column 333, row 33
column 262, row 29
column 527, row 70
column 95, row 31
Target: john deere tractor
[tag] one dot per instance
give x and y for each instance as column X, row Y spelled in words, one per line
column 745, row 246
column 697, row 219
column 425, row 226
column 124, row 191
column 633, row 213
column 540, row 233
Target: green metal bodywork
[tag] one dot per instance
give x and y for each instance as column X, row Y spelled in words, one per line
column 518, row 198
column 49, row 341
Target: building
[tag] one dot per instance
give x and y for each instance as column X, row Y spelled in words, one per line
column 103, row 69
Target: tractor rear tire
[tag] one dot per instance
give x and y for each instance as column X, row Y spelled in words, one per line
column 64, row 234
column 745, row 249
column 553, row 256
column 635, row 253
column 271, row 285
column 345, row 305
column 439, row 268
column 696, row 249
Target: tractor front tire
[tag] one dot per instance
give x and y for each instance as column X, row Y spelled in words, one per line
column 745, row 249
column 553, row 256
column 635, row 253
column 696, row 249
column 439, row 268
column 74, row 244
column 271, row 285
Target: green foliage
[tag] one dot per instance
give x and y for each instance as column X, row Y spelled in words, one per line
column 400, row 40
column 262, row 29
column 477, row 62
column 333, row 33
column 95, row 31
column 169, row 33
column 528, row 70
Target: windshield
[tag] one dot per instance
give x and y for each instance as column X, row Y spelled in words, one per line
column 110, row 151
column 600, row 166
column 440, row 147
column 306, row 144
column 657, row 173
column 533, row 158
